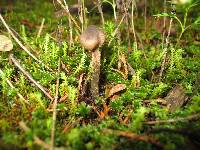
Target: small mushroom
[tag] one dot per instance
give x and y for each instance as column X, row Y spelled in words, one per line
column 91, row 39
column 5, row 43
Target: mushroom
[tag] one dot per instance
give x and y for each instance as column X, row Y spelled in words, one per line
column 91, row 39
column 5, row 43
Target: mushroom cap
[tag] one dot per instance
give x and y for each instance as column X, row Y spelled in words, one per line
column 5, row 43
column 92, row 38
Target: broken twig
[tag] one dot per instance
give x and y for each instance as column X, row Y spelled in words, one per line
column 181, row 119
column 17, row 64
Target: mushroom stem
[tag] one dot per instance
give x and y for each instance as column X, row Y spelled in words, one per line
column 96, row 64
column 91, row 39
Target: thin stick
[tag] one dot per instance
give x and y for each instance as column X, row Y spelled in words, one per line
column 69, row 15
column 11, row 85
column 164, row 25
column 132, row 22
column 18, row 42
column 41, row 27
column 125, row 8
column 54, row 108
column 116, row 30
column 27, row 44
column 134, row 136
column 181, row 119
column 99, row 3
column 57, row 92
column 80, row 14
column 165, row 51
column 85, row 21
column 145, row 15
column 70, row 26
column 17, row 64
column 37, row 140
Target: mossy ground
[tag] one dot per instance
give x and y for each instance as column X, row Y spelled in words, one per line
column 82, row 123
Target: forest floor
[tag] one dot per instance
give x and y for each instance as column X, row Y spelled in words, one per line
column 149, row 94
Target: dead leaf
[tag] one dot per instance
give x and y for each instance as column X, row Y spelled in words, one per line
column 122, row 65
column 116, row 89
column 64, row 98
column 27, row 23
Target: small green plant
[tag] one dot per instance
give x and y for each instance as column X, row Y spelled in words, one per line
column 129, row 118
column 183, row 24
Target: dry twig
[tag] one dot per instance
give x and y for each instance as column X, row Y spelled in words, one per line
column 18, row 65
column 41, row 27
column 10, row 30
column 54, row 108
column 134, row 136
column 180, row 119
column 99, row 3
column 165, row 51
column 20, row 44
column 69, row 15
column 12, row 87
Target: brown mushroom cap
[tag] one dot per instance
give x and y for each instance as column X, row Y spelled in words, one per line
column 92, row 38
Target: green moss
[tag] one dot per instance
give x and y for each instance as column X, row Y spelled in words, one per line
column 82, row 122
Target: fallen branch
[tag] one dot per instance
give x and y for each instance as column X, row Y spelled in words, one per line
column 183, row 119
column 136, row 137
column 18, row 42
column 54, row 108
column 17, row 64
column 10, row 30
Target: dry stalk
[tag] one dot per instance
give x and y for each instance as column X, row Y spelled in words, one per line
column 70, row 25
column 54, row 108
column 116, row 17
column 84, row 14
column 180, row 119
column 165, row 51
column 80, row 12
column 134, row 136
column 116, row 30
column 132, row 22
column 57, row 93
column 18, row 42
column 99, row 4
column 18, row 65
column 145, row 15
column 164, row 24
column 12, row 87
column 126, row 13
column 65, row 7
column 41, row 28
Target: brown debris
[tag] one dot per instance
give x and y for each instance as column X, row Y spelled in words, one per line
column 176, row 98
column 136, row 137
column 117, row 88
